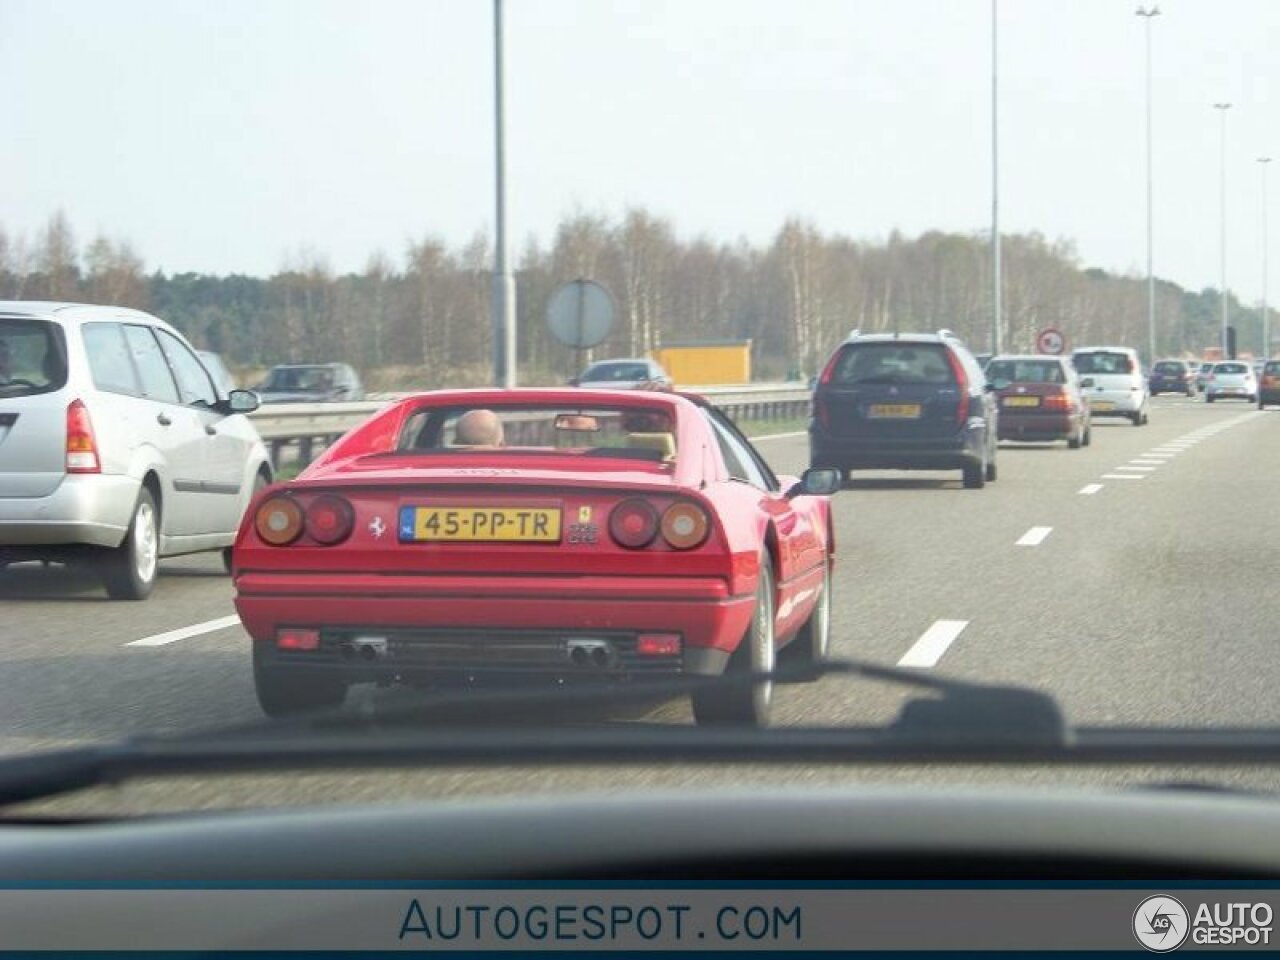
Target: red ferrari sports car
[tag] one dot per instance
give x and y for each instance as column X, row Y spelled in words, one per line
column 557, row 534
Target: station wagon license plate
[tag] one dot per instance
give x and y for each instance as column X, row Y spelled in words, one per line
column 894, row 411
column 480, row 524
column 1102, row 405
column 1022, row 401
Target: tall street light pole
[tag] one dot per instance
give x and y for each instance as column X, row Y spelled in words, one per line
column 1266, row 318
column 997, row 312
column 1222, row 109
column 504, row 284
column 1148, row 14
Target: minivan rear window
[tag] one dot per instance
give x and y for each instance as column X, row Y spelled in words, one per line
column 1103, row 362
column 33, row 357
column 1231, row 368
column 1170, row 366
column 872, row 363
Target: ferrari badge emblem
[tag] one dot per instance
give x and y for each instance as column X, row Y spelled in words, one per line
column 377, row 528
column 584, row 514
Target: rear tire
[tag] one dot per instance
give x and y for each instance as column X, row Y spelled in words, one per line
column 1076, row 442
column 990, row 473
column 1208, row 398
column 129, row 571
column 974, row 476
column 740, row 704
column 286, row 693
column 1088, row 436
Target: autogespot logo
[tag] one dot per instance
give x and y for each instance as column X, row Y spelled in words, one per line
column 1161, row 923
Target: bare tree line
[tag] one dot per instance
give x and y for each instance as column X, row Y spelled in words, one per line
column 427, row 314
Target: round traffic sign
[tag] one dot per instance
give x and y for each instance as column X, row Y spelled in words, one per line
column 580, row 314
column 1051, row 341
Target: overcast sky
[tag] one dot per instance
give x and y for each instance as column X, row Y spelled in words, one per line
column 224, row 136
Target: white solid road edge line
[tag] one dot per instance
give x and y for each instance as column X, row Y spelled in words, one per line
column 1090, row 488
column 182, row 633
column 1124, row 476
column 1034, row 537
column 933, row 643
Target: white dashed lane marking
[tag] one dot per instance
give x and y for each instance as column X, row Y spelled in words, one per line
column 933, row 643
column 183, row 633
column 1034, row 537
column 1089, row 489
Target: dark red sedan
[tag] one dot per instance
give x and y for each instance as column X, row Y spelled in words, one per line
column 561, row 535
column 1040, row 400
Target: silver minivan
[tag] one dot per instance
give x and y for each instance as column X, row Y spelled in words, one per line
column 115, row 446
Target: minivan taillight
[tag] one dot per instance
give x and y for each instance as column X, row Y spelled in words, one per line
column 829, row 370
column 962, row 380
column 82, row 446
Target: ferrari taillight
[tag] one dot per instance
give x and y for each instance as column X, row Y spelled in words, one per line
column 291, row 638
column 279, row 521
column 685, row 525
column 633, row 524
column 329, row 520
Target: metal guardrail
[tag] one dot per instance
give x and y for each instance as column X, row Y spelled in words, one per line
column 308, row 427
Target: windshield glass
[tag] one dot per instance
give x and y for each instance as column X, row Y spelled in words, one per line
column 1026, row 371
column 1103, row 363
column 302, row 379
column 799, row 331
column 633, row 433
column 616, row 371
column 891, row 362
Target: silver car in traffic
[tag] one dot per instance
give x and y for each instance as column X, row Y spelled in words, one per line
column 115, row 446
column 1231, row 379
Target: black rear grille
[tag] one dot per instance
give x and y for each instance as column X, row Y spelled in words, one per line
column 473, row 651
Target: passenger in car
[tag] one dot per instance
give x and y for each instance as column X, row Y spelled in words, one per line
column 478, row 428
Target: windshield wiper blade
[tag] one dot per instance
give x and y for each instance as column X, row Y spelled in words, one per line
column 965, row 723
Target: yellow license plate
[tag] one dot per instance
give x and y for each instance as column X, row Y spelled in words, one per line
column 1022, row 401
column 1102, row 405
column 894, row 411
column 480, row 524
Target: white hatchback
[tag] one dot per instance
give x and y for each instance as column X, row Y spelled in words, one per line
column 116, row 447
column 1112, row 382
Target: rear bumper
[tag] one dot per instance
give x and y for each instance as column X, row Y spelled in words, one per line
column 1037, row 426
column 1269, row 396
column 437, row 625
column 92, row 509
column 1121, row 404
column 1171, row 386
column 1230, row 393
column 950, row 452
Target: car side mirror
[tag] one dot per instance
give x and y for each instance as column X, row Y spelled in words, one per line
column 1087, row 382
column 573, row 381
column 817, row 482
column 242, row 401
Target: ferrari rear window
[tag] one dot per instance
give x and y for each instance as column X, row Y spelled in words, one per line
column 631, row 433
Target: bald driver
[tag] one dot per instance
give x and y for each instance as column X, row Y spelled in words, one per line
column 478, row 428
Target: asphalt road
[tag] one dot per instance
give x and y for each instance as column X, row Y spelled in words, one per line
column 1132, row 579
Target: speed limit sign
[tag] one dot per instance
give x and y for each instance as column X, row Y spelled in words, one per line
column 1051, row 341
